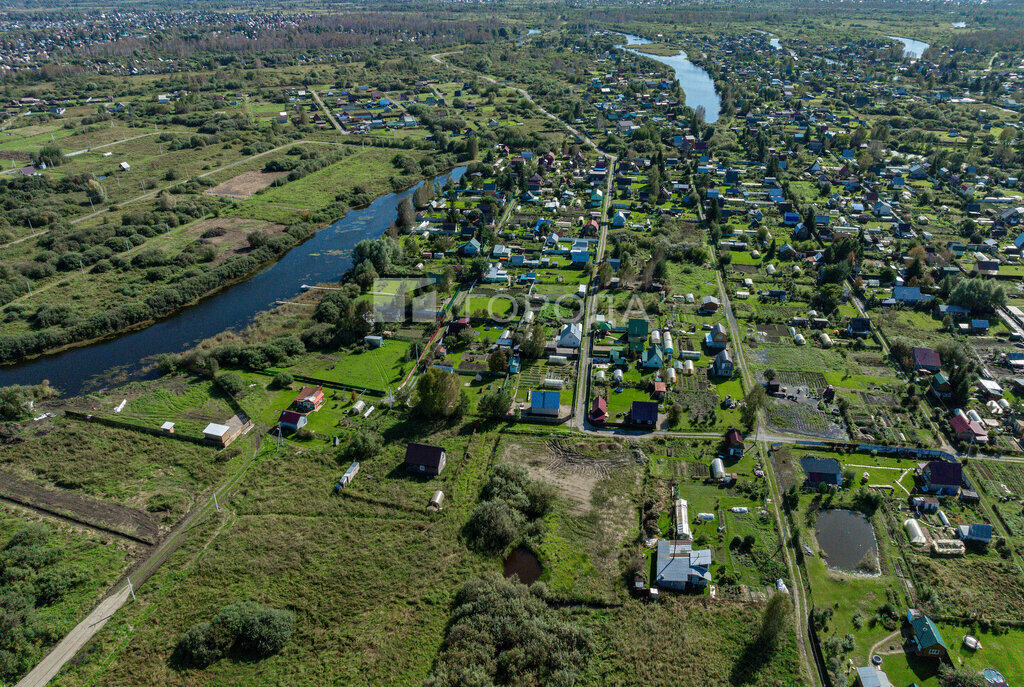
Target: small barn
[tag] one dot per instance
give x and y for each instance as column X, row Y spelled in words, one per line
column 424, row 459
column 292, row 420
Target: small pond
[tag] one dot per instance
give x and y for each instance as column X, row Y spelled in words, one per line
column 847, row 541
column 524, row 565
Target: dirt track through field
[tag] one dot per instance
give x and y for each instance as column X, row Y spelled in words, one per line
column 110, row 518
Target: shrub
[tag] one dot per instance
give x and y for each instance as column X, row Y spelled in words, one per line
column 282, row 380
column 244, row 630
column 231, row 382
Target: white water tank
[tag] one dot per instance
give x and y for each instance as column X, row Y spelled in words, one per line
column 914, row 532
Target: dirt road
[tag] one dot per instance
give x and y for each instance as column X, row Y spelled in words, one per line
column 87, row 629
column 75, row 640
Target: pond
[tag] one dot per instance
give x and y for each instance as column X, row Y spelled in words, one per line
column 847, row 541
column 911, row 48
column 323, row 258
column 524, row 565
column 696, row 83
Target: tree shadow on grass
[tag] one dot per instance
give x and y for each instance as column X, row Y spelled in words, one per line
column 754, row 657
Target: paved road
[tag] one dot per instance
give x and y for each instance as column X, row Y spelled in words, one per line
column 66, row 649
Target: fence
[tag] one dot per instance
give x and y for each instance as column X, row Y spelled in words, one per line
column 850, row 446
column 117, row 424
column 330, row 384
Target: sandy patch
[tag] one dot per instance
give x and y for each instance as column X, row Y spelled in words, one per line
column 245, row 184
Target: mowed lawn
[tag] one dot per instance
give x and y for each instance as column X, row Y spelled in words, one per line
column 374, row 368
column 367, row 167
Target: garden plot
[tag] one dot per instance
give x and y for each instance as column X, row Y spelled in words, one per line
column 980, row 585
column 802, row 418
column 1003, row 482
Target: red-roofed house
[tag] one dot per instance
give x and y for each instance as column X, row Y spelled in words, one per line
column 309, row 399
column 967, row 429
column 926, row 359
column 599, row 411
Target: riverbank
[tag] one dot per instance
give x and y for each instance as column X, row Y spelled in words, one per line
column 323, row 256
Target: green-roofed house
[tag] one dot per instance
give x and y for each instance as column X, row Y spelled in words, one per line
column 636, row 330
column 926, row 639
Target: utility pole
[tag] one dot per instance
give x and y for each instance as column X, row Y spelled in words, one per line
column 215, row 504
column 131, row 589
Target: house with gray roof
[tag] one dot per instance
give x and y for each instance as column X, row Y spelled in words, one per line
column 678, row 566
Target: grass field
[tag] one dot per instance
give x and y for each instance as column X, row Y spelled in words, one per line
column 367, row 167
column 118, row 465
column 368, row 575
column 81, row 556
column 685, row 641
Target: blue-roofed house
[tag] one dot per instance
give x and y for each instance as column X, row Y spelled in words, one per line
column 975, row 533
column 580, row 258
column 644, row 414
column 545, row 403
column 679, row 567
column 654, row 359
column 471, row 247
column 717, row 338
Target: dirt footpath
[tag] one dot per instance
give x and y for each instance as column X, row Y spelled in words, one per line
column 111, row 518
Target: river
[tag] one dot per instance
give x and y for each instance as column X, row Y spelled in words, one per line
column 911, row 48
column 696, row 83
column 323, row 258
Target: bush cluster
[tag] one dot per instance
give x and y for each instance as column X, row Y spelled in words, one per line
column 510, row 505
column 244, row 630
column 31, row 578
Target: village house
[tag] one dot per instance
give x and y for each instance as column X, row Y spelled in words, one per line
column 733, row 443
column 822, row 471
column 309, row 399
column 723, row 365
column 941, row 478
column 545, row 403
column 424, row 459
column 644, row 414
column 925, row 638
column 681, row 568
